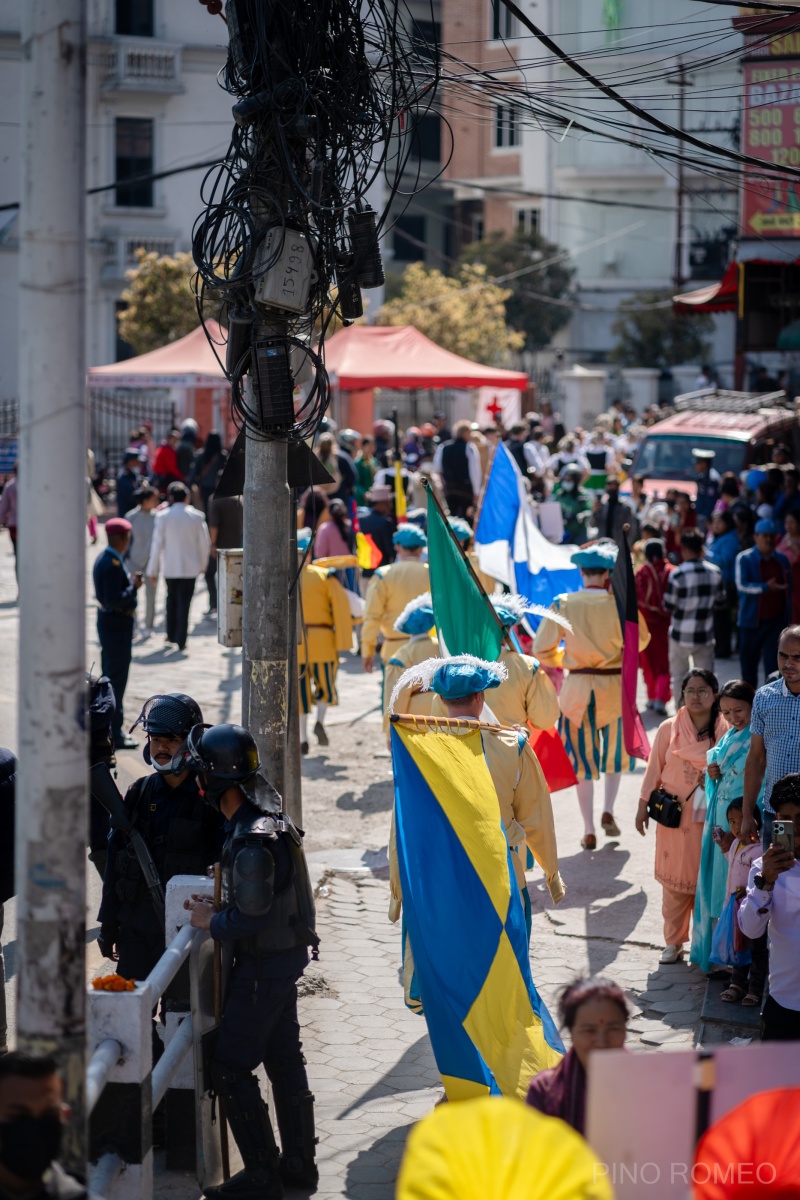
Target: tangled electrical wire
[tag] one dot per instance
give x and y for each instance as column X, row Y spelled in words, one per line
column 329, row 96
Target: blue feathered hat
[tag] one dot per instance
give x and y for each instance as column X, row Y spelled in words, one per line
column 410, row 537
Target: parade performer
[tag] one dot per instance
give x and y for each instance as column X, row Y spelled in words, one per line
column 327, row 631
column 591, row 696
column 527, row 694
column 389, row 591
column 416, row 621
column 452, row 869
column 268, row 920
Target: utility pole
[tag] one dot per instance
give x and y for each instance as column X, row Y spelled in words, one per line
column 679, row 238
column 52, row 810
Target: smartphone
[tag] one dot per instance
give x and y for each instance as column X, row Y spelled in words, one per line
column 716, row 833
column 783, row 836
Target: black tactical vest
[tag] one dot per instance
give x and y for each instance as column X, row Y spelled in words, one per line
column 179, row 851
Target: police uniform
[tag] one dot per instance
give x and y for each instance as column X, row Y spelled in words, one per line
column 116, row 597
column 184, row 836
column 100, row 717
column 327, row 631
column 268, row 920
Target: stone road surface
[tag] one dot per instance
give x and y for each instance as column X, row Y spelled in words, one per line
column 369, row 1058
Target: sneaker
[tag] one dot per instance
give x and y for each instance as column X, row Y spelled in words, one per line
column 610, row 826
column 126, row 743
column 671, row 953
column 659, row 707
column 320, row 734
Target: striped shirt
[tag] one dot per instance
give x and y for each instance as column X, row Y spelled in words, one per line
column 776, row 718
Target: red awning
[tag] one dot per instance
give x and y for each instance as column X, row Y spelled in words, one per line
column 716, row 297
column 368, row 356
column 190, row 361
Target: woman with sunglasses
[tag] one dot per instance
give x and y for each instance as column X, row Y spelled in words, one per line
column 677, row 766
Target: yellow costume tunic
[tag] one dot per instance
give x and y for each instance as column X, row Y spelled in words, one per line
column 591, row 704
column 527, row 694
column 411, row 700
column 390, row 590
column 525, row 809
column 327, row 630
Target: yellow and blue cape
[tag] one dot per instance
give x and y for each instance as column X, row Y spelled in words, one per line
column 490, row 1030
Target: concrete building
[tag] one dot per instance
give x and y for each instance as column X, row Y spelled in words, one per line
column 508, row 172
column 153, row 104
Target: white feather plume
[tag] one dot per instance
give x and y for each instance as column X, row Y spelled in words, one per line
column 423, row 601
column 422, row 674
column 522, row 607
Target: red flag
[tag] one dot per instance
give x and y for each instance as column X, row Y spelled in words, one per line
column 549, row 749
column 624, row 587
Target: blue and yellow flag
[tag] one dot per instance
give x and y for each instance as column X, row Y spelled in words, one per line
column 489, row 1029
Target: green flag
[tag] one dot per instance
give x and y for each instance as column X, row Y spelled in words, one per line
column 464, row 617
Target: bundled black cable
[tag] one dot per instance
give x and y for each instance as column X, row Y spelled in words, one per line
column 328, row 95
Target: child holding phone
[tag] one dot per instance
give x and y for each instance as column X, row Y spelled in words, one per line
column 747, row 983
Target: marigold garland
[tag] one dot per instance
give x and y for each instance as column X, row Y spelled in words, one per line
column 113, row 983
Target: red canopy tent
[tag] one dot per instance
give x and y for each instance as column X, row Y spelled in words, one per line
column 189, row 368
column 363, row 357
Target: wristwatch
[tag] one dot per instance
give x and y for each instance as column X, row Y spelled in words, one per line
column 760, row 882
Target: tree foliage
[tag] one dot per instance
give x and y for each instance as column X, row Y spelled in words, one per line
column 651, row 336
column 461, row 312
column 160, row 302
column 529, row 307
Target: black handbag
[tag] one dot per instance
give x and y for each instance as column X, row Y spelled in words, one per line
column 664, row 808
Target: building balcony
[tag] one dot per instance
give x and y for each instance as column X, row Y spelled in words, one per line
column 136, row 64
column 118, row 253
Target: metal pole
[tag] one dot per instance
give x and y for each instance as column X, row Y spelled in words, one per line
column 293, row 784
column 681, row 182
column 52, row 815
column 266, row 573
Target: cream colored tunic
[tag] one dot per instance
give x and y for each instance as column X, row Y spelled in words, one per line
column 390, row 590
column 411, row 700
column 527, row 694
column 595, row 642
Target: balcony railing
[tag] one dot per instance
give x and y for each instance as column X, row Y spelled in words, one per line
column 142, row 65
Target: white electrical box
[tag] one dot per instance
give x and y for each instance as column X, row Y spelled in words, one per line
column 286, row 283
column 229, row 601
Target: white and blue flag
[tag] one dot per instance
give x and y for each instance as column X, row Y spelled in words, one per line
column 509, row 544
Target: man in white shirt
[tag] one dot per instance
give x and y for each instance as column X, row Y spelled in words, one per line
column 181, row 547
column 773, row 902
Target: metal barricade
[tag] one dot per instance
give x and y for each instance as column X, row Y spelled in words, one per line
column 123, row 1087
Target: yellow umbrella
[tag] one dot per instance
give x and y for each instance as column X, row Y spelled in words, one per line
column 497, row 1148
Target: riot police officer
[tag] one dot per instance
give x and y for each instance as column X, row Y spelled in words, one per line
column 268, row 919
column 182, row 834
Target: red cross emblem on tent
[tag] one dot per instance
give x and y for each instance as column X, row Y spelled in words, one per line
column 495, row 408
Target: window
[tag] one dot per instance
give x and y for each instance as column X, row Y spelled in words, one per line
column 507, row 130
column 134, row 17
column 122, row 349
column 504, row 23
column 477, row 228
column 427, row 138
column 134, row 157
column 426, row 36
column 406, row 250
column 528, row 220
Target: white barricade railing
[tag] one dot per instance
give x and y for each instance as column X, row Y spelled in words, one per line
column 122, row 1086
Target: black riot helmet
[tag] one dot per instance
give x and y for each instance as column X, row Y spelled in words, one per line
column 172, row 716
column 223, row 756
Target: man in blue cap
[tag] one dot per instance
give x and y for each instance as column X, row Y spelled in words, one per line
column 525, row 808
column 416, row 621
column 527, row 694
column 591, row 698
column 389, row 591
column 764, row 582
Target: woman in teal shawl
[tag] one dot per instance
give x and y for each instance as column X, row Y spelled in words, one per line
column 724, row 782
